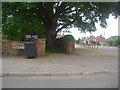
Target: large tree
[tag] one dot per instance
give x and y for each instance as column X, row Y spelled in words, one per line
column 55, row 16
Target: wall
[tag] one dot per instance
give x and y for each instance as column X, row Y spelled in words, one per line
column 9, row 47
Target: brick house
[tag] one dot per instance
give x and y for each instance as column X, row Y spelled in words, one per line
column 59, row 36
column 91, row 38
column 101, row 40
column 112, row 38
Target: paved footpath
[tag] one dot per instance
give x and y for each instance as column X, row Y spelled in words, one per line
column 84, row 61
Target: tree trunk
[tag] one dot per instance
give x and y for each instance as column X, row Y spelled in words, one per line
column 50, row 33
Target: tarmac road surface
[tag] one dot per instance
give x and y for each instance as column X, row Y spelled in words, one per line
column 89, row 81
column 87, row 60
column 113, row 49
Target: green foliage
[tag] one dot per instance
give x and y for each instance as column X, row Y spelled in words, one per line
column 19, row 17
column 60, row 43
column 78, row 41
column 117, row 41
column 98, row 43
column 90, row 13
column 111, row 43
column 65, row 38
column 54, row 50
column 15, row 28
column 93, row 42
column 114, row 42
column 68, row 38
column 17, row 24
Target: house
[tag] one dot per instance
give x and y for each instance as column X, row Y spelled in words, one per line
column 83, row 40
column 101, row 40
column 91, row 38
column 59, row 36
column 112, row 38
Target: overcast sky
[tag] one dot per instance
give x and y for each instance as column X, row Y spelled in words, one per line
column 111, row 30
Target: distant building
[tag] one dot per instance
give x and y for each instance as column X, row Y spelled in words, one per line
column 101, row 40
column 112, row 38
column 83, row 40
column 91, row 38
column 59, row 36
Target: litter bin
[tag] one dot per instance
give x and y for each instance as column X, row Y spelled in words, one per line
column 30, row 50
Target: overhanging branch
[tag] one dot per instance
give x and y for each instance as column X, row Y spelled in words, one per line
column 64, row 26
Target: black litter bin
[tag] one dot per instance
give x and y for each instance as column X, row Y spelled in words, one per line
column 30, row 49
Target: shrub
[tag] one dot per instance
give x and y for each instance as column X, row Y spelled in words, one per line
column 60, row 42
column 93, row 42
column 68, row 38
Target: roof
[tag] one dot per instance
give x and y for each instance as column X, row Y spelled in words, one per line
column 59, row 36
column 100, row 39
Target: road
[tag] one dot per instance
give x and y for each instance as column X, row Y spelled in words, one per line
column 114, row 49
column 107, row 48
column 91, row 61
column 89, row 81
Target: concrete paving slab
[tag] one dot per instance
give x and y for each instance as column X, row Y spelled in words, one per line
column 85, row 60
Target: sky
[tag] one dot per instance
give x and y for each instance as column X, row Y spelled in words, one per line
column 111, row 30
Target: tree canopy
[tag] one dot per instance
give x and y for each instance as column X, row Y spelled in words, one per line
column 51, row 17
